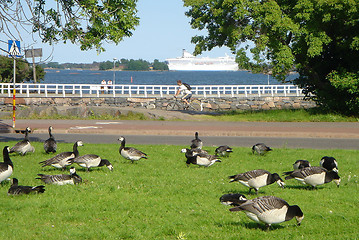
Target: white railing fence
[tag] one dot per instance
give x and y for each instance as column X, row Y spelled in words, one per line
column 98, row 90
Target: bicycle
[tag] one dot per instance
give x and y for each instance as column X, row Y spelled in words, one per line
column 178, row 104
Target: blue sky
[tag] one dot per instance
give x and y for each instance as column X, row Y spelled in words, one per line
column 163, row 32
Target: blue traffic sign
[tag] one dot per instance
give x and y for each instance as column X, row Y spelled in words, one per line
column 14, row 48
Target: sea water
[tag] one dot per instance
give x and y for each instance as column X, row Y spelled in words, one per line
column 160, row 77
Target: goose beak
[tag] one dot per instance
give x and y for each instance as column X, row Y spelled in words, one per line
column 299, row 220
column 281, row 183
column 337, row 182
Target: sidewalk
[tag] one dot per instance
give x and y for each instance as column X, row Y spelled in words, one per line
column 187, row 128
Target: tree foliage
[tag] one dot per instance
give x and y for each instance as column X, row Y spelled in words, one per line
column 316, row 37
column 86, row 22
column 24, row 72
column 137, row 65
column 159, row 66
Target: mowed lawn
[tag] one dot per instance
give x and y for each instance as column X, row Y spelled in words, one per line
column 162, row 198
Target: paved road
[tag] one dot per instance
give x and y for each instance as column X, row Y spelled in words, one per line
column 291, row 135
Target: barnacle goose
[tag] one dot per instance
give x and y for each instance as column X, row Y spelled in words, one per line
column 199, row 158
column 61, row 179
column 299, row 164
column 223, row 151
column 91, row 160
column 63, row 159
column 196, row 142
column 329, row 163
column 233, row 199
column 270, row 210
column 313, row 176
column 260, row 148
column 23, row 146
column 6, row 167
column 16, row 189
column 256, row 179
column 130, row 153
column 50, row 144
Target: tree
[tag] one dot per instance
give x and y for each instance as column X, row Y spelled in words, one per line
column 157, row 65
column 137, row 65
column 87, row 22
column 318, row 38
column 24, row 71
column 106, row 65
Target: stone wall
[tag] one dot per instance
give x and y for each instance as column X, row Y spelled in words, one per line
column 77, row 106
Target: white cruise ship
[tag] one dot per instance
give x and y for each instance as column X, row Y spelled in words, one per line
column 188, row 62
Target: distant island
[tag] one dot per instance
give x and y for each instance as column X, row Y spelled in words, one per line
column 123, row 64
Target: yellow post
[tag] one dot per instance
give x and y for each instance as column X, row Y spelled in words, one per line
column 13, row 97
column 13, row 108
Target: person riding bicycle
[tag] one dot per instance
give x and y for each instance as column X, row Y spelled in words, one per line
column 185, row 90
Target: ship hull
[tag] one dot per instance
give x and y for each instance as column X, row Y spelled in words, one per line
column 190, row 63
column 202, row 67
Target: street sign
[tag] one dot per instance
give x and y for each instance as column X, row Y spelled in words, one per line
column 14, row 48
column 36, row 52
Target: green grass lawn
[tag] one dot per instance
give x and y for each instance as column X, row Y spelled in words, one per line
column 162, row 198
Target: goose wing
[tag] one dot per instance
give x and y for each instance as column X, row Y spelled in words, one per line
column 260, row 205
column 17, row 190
column 19, row 145
column 87, row 158
column 50, row 145
column 54, row 178
column 134, row 151
column 304, row 172
column 249, row 175
column 64, row 156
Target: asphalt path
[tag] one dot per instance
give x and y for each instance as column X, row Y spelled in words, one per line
column 314, row 143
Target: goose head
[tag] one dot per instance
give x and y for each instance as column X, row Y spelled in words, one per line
column 72, row 170
column 279, row 181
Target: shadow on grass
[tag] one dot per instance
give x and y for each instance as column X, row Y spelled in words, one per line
column 304, row 187
column 250, row 225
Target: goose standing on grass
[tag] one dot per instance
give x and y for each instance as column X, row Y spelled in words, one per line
column 329, row 163
column 61, row 179
column 270, row 210
column 63, row 159
column 196, row 142
column 260, row 148
column 299, row 164
column 23, row 146
column 200, row 159
column 223, row 151
column 6, row 167
column 233, row 199
column 15, row 189
column 91, row 160
column 256, row 179
column 130, row 153
column 313, row 176
column 50, row 144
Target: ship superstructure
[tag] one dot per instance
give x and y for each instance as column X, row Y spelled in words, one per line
column 188, row 62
